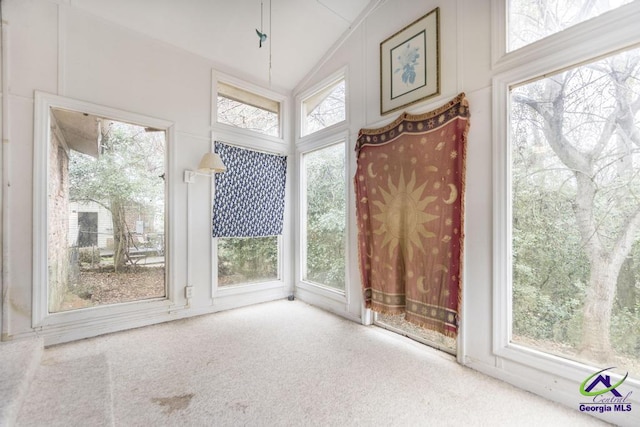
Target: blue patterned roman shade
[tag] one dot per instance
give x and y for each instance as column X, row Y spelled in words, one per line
column 249, row 197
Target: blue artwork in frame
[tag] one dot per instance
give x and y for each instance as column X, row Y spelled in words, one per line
column 410, row 64
column 409, row 72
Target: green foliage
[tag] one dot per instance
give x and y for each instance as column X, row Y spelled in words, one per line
column 126, row 178
column 566, row 229
column 128, row 168
column 89, row 255
column 326, row 207
column 550, row 272
column 246, row 260
column 549, row 268
column 625, row 324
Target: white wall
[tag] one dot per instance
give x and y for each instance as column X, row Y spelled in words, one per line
column 58, row 49
column 105, row 224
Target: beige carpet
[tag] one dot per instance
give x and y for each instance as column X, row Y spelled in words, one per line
column 281, row 363
column 19, row 361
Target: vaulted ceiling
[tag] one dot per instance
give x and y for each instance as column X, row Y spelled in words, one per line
column 299, row 32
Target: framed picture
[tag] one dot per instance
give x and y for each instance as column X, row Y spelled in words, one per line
column 410, row 64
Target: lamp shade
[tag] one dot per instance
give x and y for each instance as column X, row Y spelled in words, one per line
column 211, row 163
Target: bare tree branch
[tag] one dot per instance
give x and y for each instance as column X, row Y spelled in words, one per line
column 568, row 154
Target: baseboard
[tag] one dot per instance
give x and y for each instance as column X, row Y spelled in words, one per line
column 554, row 389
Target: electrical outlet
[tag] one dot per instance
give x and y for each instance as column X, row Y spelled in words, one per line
column 188, row 292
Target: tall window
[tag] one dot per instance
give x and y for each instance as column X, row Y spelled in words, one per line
column 248, row 215
column 254, row 259
column 324, row 108
column 106, row 211
column 573, row 181
column 324, row 216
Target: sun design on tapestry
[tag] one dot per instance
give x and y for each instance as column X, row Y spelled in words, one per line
column 402, row 216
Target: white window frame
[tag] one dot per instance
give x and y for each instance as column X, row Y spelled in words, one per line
column 323, row 84
column 250, row 140
column 336, row 295
column 270, row 141
column 597, row 34
column 66, row 321
column 563, row 50
column 253, row 143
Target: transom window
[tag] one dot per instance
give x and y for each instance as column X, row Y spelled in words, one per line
column 324, row 108
column 246, row 110
column 532, row 20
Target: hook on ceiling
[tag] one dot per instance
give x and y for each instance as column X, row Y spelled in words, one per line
column 262, row 36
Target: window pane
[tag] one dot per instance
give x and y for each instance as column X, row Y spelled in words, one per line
column 324, row 108
column 242, row 109
column 106, row 212
column 532, row 20
column 247, row 260
column 576, row 210
column 325, row 216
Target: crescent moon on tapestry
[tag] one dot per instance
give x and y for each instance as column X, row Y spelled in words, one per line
column 420, row 284
column 453, row 196
column 370, row 170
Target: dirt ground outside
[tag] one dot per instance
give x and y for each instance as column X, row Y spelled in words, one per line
column 102, row 286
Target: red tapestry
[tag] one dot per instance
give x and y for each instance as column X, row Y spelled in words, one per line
column 410, row 199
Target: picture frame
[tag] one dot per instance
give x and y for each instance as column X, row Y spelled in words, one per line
column 410, row 64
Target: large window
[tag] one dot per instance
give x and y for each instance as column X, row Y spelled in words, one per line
column 254, row 258
column 568, row 211
column 106, row 212
column 324, row 216
column 576, row 209
column 99, row 209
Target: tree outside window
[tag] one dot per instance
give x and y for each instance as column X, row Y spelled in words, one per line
column 325, row 216
column 576, row 212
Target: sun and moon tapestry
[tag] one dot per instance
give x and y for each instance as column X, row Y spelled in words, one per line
column 409, row 185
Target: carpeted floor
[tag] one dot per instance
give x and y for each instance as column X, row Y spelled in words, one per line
column 281, row 363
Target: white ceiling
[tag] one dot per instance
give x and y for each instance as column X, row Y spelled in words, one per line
column 301, row 32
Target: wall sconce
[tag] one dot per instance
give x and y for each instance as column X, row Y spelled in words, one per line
column 210, row 164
